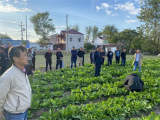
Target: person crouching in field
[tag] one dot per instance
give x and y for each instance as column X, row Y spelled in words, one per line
column 15, row 89
column 138, row 57
column 133, row 83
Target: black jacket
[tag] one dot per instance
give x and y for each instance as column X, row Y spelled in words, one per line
column 134, row 82
column 103, row 54
column 97, row 58
column 34, row 54
column 110, row 55
column 2, row 60
column 80, row 53
column 92, row 54
column 123, row 55
column 6, row 51
column 59, row 54
column 48, row 55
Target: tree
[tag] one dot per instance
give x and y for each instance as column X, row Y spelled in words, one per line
column 24, row 42
column 88, row 33
column 150, row 14
column 76, row 27
column 110, row 31
column 4, row 36
column 88, row 46
column 100, row 33
column 127, row 36
column 43, row 26
column 94, row 33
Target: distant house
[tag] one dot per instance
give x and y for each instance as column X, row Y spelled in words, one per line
column 114, row 46
column 36, row 46
column 101, row 41
column 75, row 39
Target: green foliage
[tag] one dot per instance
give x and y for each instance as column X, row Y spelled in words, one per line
column 24, row 42
column 110, row 31
column 94, row 33
column 4, row 36
column 127, row 36
column 76, row 27
column 88, row 33
column 150, row 15
column 88, row 46
column 43, row 26
column 72, row 93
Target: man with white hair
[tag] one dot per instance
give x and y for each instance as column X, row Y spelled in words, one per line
column 48, row 57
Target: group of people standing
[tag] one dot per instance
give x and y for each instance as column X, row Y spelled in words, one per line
column 4, row 60
column 98, row 57
column 5, row 63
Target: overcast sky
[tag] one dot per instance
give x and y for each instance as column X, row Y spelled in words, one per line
column 121, row 13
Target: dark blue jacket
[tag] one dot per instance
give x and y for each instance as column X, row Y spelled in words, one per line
column 110, row 55
column 103, row 54
column 74, row 54
column 91, row 54
column 97, row 57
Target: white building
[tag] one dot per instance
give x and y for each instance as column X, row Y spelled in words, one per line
column 100, row 41
column 75, row 39
column 114, row 46
column 36, row 46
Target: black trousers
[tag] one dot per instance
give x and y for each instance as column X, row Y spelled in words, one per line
column 132, row 90
column 33, row 63
column 48, row 62
column 97, row 70
column 102, row 61
column 91, row 60
column 117, row 60
column 59, row 62
column 109, row 61
column 83, row 61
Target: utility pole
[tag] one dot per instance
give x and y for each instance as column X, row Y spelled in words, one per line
column 67, row 34
column 26, row 28
column 21, row 31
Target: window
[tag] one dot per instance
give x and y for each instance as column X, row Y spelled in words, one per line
column 70, row 39
column 79, row 39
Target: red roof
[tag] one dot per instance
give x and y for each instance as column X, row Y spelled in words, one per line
column 114, row 45
column 71, row 32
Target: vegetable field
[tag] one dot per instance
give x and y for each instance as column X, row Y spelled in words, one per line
column 75, row 94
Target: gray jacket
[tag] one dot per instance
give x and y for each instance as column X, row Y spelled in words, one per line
column 134, row 82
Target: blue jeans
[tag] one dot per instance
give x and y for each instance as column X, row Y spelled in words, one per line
column 135, row 66
column 97, row 70
column 123, row 62
column 21, row 116
column 73, row 61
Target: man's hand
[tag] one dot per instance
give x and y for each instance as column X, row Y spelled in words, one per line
column 94, row 65
column 2, row 116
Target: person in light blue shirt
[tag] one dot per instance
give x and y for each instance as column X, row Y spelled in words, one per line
column 138, row 57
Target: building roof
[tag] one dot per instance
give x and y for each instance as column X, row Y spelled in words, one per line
column 71, row 32
column 114, row 45
column 49, row 44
